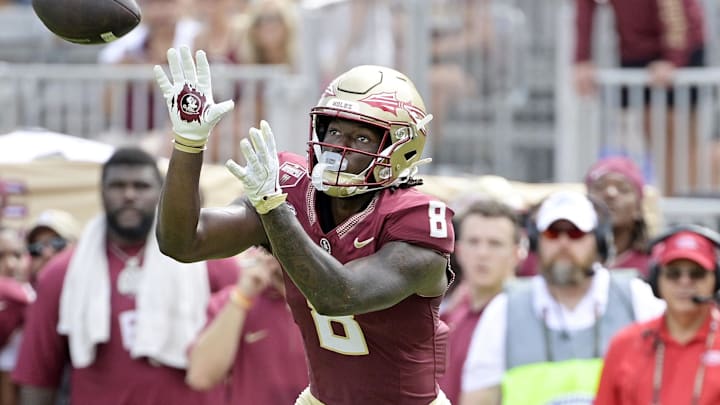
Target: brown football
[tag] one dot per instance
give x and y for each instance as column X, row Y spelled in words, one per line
column 88, row 21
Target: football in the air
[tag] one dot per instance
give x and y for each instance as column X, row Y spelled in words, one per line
column 88, row 21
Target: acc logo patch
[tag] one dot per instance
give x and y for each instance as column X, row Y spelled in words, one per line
column 290, row 174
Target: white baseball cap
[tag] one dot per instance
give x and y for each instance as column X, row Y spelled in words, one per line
column 62, row 222
column 570, row 206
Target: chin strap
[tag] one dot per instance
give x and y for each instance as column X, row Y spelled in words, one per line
column 411, row 171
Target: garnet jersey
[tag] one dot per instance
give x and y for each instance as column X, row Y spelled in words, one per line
column 392, row 356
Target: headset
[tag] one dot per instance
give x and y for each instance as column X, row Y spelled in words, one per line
column 654, row 267
column 603, row 231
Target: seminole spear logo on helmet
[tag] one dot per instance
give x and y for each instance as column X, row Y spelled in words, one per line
column 389, row 102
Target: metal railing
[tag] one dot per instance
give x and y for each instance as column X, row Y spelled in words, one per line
column 111, row 102
column 510, row 130
column 483, row 135
column 676, row 143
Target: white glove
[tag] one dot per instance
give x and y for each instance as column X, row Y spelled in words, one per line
column 261, row 175
column 193, row 111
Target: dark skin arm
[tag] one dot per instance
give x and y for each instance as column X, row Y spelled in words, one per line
column 187, row 233
column 372, row 283
column 36, row 395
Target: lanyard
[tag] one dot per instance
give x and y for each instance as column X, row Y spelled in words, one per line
column 699, row 373
column 549, row 354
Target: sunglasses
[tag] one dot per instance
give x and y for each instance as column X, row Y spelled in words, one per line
column 554, row 232
column 36, row 249
column 675, row 273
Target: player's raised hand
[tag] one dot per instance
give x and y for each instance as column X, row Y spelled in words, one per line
column 260, row 176
column 189, row 98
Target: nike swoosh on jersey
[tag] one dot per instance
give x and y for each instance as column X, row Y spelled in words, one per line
column 361, row 244
column 252, row 337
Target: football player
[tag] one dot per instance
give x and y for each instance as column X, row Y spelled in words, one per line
column 365, row 255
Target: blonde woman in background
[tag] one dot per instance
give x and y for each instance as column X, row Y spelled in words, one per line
column 271, row 36
column 222, row 29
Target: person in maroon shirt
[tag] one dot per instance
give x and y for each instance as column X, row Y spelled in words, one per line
column 660, row 35
column 130, row 188
column 269, row 363
column 488, row 250
column 618, row 182
column 365, row 255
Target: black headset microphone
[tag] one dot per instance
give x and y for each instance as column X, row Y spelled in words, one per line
column 593, row 269
column 654, row 268
column 705, row 299
column 697, row 299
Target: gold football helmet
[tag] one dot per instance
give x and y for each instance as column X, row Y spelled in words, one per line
column 381, row 97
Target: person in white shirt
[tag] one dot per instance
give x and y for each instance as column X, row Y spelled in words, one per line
column 163, row 25
column 543, row 339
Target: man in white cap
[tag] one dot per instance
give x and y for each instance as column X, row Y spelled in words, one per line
column 51, row 232
column 543, row 339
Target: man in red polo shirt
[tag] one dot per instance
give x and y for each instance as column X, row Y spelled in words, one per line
column 251, row 341
column 673, row 359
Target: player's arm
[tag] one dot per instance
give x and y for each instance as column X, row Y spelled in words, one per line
column 372, row 283
column 187, row 232
column 184, row 231
column 369, row 284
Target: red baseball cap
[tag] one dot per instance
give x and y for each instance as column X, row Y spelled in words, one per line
column 686, row 245
column 617, row 164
